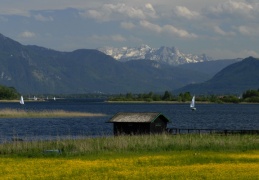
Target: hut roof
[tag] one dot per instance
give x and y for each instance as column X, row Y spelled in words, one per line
column 143, row 117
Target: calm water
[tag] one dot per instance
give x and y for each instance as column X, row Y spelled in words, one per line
column 213, row 116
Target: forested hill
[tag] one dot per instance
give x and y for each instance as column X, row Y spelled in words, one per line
column 234, row 79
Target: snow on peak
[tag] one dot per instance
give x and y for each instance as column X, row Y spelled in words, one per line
column 168, row 55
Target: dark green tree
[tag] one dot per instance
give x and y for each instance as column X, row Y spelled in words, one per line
column 250, row 93
column 167, row 96
column 8, row 93
column 184, row 97
column 129, row 96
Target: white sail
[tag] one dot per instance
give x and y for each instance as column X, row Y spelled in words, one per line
column 21, row 100
column 192, row 105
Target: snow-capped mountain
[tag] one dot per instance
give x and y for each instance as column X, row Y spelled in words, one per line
column 168, row 55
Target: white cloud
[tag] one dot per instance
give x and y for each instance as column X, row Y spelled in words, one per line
column 249, row 30
column 111, row 12
column 108, row 12
column 127, row 25
column 179, row 32
column 150, row 7
column 114, row 38
column 24, row 7
column 232, row 8
column 247, row 53
column 230, row 24
column 230, row 54
column 100, row 16
column 27, row 34
column 169, row 29
column 218, row 30
column 118, row 38
column 150, row 26
column 42, row 18
column 150, row 11
column 14, row 11
column 182, row 11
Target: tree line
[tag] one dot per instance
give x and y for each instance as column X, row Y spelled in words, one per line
column 248, row 96
column 251, row 96
column 8, row 93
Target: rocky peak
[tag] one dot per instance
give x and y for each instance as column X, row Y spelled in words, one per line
column 168, row 55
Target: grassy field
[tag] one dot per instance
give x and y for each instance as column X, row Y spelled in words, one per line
column 14, row 113
column 159, row 165
column 134, row 157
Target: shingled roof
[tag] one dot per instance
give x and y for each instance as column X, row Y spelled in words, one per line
column 142, row 117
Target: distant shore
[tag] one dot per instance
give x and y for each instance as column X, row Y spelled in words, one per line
column 148, row 102
column 158, row 102
column 176, row 102
column 167, row 102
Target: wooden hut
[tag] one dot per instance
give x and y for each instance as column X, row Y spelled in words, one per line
column 138, row 123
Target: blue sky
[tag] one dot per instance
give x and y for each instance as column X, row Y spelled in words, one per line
column 219, row 28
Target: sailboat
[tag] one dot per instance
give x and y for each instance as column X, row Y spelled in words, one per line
column 21, row 100
column 192, row 105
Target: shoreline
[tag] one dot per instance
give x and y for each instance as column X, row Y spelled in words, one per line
column 159, row 102
column 176, row 102
column 147, row 102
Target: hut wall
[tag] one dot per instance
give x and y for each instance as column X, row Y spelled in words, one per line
column 131, row 128
column 158, row 126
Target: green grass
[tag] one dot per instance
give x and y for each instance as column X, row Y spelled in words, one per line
column 132, row 144
column 190, row 156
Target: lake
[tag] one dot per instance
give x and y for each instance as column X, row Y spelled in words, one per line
column 207, row 116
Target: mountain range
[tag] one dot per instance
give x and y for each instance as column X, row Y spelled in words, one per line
column 37, row 70
column 167, row 55
column 34, row 69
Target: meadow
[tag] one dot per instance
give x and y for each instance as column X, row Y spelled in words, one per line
column 189, row 156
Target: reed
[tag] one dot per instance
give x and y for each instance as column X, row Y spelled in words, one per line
column 132, row 144
column 17, row 113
